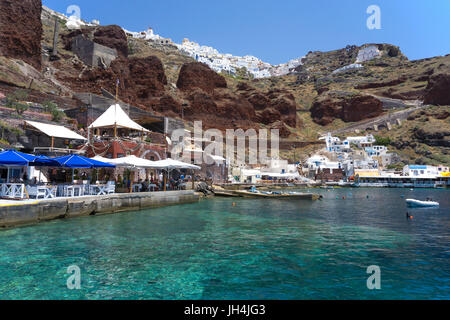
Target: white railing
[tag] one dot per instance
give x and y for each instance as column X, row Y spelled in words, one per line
column 12, row 190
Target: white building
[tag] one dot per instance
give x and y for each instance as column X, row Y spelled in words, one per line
column 367, row 54
column 334, row 144
column 420, row 171
column 362, row 141
column 375, row 151
column 442, row 169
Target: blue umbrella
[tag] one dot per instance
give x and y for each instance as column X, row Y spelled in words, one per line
column 77, row 161
column 10, row 158
column 15, row 158
column 44, row 161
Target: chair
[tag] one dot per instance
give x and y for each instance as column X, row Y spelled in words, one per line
column 110, row 187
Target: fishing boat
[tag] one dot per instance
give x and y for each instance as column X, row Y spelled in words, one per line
column 277, row 195
column 419, row 203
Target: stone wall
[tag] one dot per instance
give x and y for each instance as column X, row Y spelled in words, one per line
column 93, row 54
column 46, row 210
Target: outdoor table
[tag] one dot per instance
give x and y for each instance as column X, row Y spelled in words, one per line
column 79, row 188
column 152, row 187
column 41, row 191
column 137, row 187
column 49, row 192
column 98, row 189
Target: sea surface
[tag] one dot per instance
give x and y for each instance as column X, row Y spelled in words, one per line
column 252, row 249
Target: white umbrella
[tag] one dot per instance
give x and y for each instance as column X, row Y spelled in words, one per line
column 131, row 162
column 171, row 164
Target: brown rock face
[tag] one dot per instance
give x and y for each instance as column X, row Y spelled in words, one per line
column 287, row 107
column 438, row 90
column 269, row 116
column 361, row 107
column 21, row 30
column 113, row 37
column 166, row 105
column 141, row 79
column 272, row 106
column 259, row 101
column 349, row 108
column 110, row 36
column 325, row 111
column 199, row 75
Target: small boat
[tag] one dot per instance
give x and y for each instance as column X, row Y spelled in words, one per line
column 277, row 195
column 224, row 193
column 419, row 203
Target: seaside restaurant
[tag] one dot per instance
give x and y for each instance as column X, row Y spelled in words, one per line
column 16, row 183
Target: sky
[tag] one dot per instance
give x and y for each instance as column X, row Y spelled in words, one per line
column 279, row 30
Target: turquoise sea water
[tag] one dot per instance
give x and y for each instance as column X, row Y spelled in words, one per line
column 257, row 249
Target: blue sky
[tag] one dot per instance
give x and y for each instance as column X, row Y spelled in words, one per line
column 277, row 31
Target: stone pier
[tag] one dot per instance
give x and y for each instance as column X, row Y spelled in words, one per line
column 24, row 213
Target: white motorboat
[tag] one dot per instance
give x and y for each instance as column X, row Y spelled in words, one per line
column 420, row 203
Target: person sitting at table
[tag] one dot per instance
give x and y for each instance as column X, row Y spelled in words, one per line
column 140, row 185
column 145, row 186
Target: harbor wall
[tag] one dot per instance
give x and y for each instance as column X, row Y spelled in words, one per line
column 44, row 210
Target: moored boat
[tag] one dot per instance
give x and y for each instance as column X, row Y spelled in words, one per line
column 420, row 203
column 278, row 195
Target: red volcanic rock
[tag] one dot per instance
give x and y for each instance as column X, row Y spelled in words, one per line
column 235, row 108
column 350, row 108
column 21, row 30
column 109, row 36
column 288, row 109
column 141, row 79
column 357, row 108
column 268, row 116
column 438, row 90
column 166, row 105
column 325, row 111
column 259, row 101
column 113, row 37
column 199, row 75
column 283, row 130
column 244, row 86
column 200, row 104
column 146, row 77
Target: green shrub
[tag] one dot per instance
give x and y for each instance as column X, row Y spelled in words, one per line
column 52, row 108
column 15, row 99
column 382, row 141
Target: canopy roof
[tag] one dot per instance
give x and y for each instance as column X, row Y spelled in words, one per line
column 77, row 161
column 175, row 164
column 132, row 162
column 114, row 116
column 55, row 131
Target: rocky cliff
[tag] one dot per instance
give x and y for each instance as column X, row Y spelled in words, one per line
column 326, row 87
column 21, row 30
column 348, row 107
